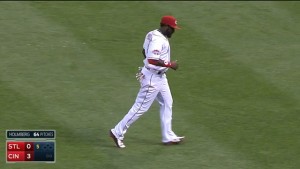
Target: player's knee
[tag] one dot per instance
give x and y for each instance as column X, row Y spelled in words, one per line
column 169, row 103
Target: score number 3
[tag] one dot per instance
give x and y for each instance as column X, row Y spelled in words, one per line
column 28, row 156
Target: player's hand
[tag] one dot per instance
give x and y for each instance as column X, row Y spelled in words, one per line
column 174, row 65
column 139, row 75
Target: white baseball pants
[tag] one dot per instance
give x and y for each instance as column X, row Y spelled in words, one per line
column 153, row 86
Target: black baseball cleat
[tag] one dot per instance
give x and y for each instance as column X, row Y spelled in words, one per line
column 119, row 143
column 177, row 140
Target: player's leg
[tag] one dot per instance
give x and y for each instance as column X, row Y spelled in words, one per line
column 144, row 100
column 164, row 120
column 165, row 100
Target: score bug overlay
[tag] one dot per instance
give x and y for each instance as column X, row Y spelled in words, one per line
column 30, row 146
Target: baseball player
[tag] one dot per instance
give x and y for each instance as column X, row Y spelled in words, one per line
column 154, row 84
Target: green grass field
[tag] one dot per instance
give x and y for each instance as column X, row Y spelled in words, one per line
column 70, row 66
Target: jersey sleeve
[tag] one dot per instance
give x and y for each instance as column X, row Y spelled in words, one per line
column 153, row 47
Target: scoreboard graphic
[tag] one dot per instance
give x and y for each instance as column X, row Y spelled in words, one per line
column 30, row 146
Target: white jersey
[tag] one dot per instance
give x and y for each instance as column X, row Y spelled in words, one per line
column 156, row 46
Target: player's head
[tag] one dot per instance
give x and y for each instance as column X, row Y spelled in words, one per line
column 168, row 25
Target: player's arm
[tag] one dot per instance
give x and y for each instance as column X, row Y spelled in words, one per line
column 153, row 52
column 159, row 62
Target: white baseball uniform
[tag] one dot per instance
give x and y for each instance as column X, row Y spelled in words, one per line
column 154, row 85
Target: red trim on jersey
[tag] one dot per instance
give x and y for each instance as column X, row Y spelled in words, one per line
column 153, row 61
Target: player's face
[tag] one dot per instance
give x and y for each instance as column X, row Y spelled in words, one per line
column 169, row 31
